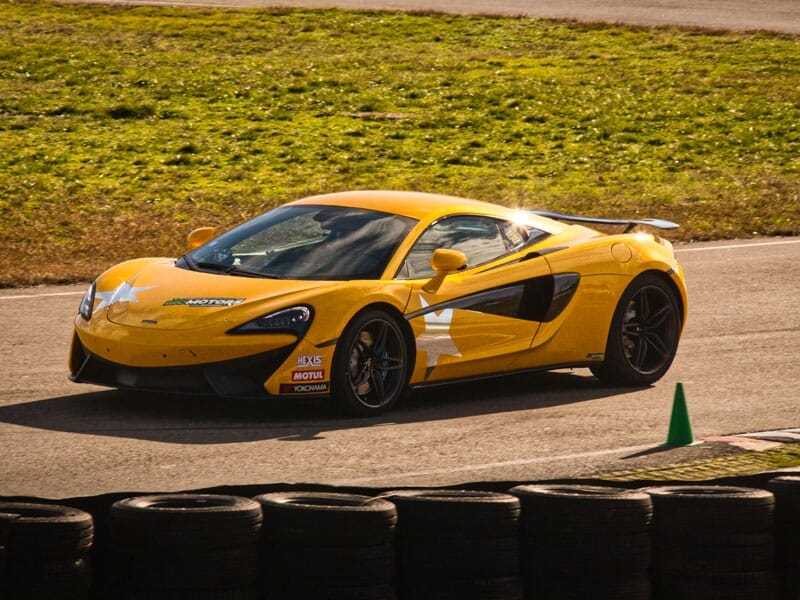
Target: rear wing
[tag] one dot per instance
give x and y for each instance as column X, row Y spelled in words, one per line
column 629, row 223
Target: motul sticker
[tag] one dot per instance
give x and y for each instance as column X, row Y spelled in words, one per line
column 304, row 388
column 318, row 375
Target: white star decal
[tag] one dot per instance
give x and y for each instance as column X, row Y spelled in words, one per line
column 123, row 293
column 435, row 340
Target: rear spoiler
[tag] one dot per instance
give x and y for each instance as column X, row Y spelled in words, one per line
column 629, row 223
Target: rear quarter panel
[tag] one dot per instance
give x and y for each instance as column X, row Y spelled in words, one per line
column 607, row 265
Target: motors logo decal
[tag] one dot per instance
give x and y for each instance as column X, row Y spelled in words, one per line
column 317, row 375
column 205, row 302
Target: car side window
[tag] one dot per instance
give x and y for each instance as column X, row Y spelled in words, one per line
column 481, row 239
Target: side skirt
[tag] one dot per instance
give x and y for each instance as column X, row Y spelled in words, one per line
column 434, row 384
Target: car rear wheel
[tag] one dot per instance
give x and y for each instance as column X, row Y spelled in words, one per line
column 644, row 333
column 370, row 367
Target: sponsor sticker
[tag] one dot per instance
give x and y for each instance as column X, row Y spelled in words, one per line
column 304, row 388
column 317, row 375
column 309, row 361
column 205, row 302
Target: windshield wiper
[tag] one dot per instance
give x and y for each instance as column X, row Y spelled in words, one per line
column 234, row 270
column 212, row 266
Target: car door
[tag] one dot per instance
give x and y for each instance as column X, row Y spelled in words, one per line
column 482, row 318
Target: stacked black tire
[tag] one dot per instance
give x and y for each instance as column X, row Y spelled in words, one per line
column 5, row 522
column 46, row 550
column 457, row 544
column 327, row 546
column 583, row 542
column 183, row 547
column 786, row 490
column 713, row 543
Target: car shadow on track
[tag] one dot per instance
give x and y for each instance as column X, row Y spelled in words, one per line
column 211, row 420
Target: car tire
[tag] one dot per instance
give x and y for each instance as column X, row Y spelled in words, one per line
column 713, row 542
column 370, row 365
column 45, row 580
column 786, row 489
column 455, row 514
column 46, row 531
column 584, row 541
column 199, row 546
column 644, row 333
column 441, row 588
column 327, row 519
column 185, row 521
column 751, row 585
column 326, row 545
column 44, row 551
column 633, row 586
column 452, row 541
column 587, row 509
column 188, row 571
column 714, row 509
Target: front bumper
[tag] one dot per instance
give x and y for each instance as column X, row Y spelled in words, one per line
column 238, row 378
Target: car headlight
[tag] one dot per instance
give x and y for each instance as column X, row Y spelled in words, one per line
column 289, row 320
column 87, row 304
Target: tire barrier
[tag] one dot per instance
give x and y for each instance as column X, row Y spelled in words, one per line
column 45, row 550
column 713, row 542
column 182, row 546
column 5, row 523
column 327, row 545
column 786, row 490
column 532, row 542
column 457, row 544
column 584, row 541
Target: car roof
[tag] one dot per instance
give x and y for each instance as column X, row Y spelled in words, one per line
column 417, row 205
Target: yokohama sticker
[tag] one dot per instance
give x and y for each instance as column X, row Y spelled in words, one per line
column 304, row 388
column 308, row 375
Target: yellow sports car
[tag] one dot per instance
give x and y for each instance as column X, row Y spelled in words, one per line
column 360, row 295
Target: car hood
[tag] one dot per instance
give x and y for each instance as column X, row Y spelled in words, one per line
column 161, row 295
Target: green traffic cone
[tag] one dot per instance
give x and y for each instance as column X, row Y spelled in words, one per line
column 680, row 430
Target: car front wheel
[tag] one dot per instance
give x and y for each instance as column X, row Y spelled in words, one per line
column 370, row 366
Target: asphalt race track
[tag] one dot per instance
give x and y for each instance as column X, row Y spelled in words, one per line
column 739, row 362
column 741, row 15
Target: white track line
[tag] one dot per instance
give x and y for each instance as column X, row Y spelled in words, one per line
column 175, row 4
column 736, row 246
column 788, row 435
column 48, row 294
column 482, row 467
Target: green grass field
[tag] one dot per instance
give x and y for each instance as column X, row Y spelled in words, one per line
column 123, row 128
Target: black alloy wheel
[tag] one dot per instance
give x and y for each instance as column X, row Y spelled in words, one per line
column 644, row 334
column 370, row 365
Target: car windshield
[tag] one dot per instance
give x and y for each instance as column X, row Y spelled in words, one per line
column 306, row 242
